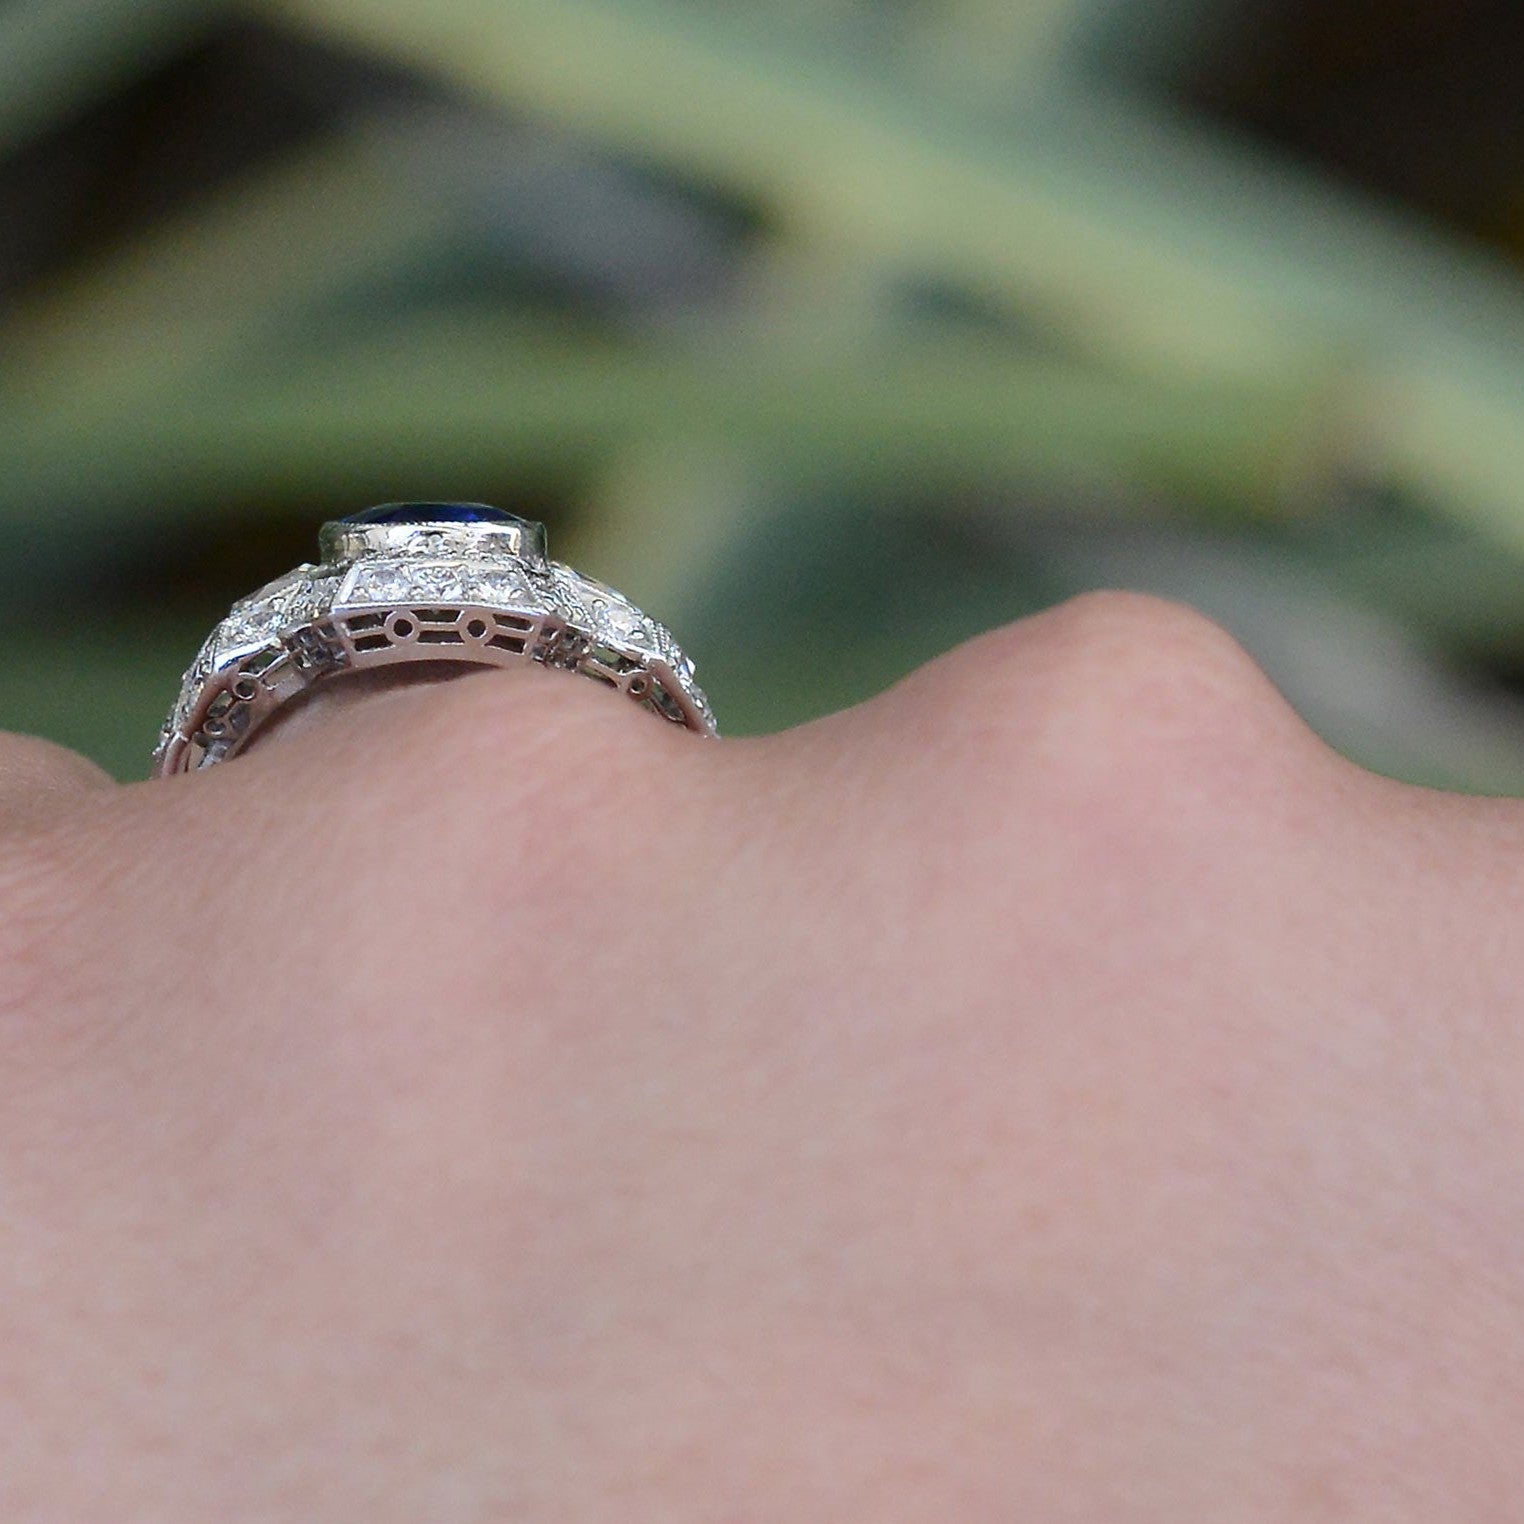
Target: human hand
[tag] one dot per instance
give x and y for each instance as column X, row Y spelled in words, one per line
column 1060, row 1089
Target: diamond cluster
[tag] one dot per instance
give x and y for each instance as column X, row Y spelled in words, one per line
column 295, row 599
column 313, row 593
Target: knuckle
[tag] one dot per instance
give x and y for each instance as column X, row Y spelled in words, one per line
column 1161, row 679
column 36, row 774
column 1109, row 627
column 33, row 757
column 1115, row 729
column 1137, row 686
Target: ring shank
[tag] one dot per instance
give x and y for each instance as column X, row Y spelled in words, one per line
column 237, row 702
column 459, row 583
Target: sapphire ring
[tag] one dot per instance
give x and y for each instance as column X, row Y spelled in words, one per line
column 419, row 582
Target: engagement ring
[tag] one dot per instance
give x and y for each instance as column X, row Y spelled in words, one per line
column 419, row 582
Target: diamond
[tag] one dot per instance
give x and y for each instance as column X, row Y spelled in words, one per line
column 505, row 589
column 627, row 626
column 375, row 584
column 293, row 584
column 317, row 599
column 258, row 619
column 234, row 642
column 444, row 582
column 681, row 665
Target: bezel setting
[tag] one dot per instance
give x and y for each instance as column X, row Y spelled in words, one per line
column 409, row 529
column 479, row 591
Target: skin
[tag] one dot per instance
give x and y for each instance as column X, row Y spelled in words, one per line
column 1059, row 1089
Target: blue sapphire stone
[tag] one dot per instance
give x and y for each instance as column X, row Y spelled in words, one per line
column 432, row 513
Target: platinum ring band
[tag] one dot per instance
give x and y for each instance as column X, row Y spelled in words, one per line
column 419, row 582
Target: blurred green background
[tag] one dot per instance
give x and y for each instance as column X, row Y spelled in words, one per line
column 832, row 331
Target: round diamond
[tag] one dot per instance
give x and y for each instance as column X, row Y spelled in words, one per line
column 444, row 582
column 505, row 589
column 376, row 584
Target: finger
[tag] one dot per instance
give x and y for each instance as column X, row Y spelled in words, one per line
column 39, row 777
column 321, row 705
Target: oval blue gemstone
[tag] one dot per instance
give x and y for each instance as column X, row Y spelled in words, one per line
column 432, row 513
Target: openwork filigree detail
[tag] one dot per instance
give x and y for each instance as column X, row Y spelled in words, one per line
column 475, row 591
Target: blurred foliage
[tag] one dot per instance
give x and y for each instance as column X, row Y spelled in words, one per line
column 832, row 332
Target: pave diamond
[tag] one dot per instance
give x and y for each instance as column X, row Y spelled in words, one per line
column 260, row 618
column 674, row 657
column 437, row 557
column 294, row 584
column 571, row 596
column 246, row 631
column 445, row 583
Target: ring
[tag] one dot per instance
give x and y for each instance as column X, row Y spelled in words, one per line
column 419, row 582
